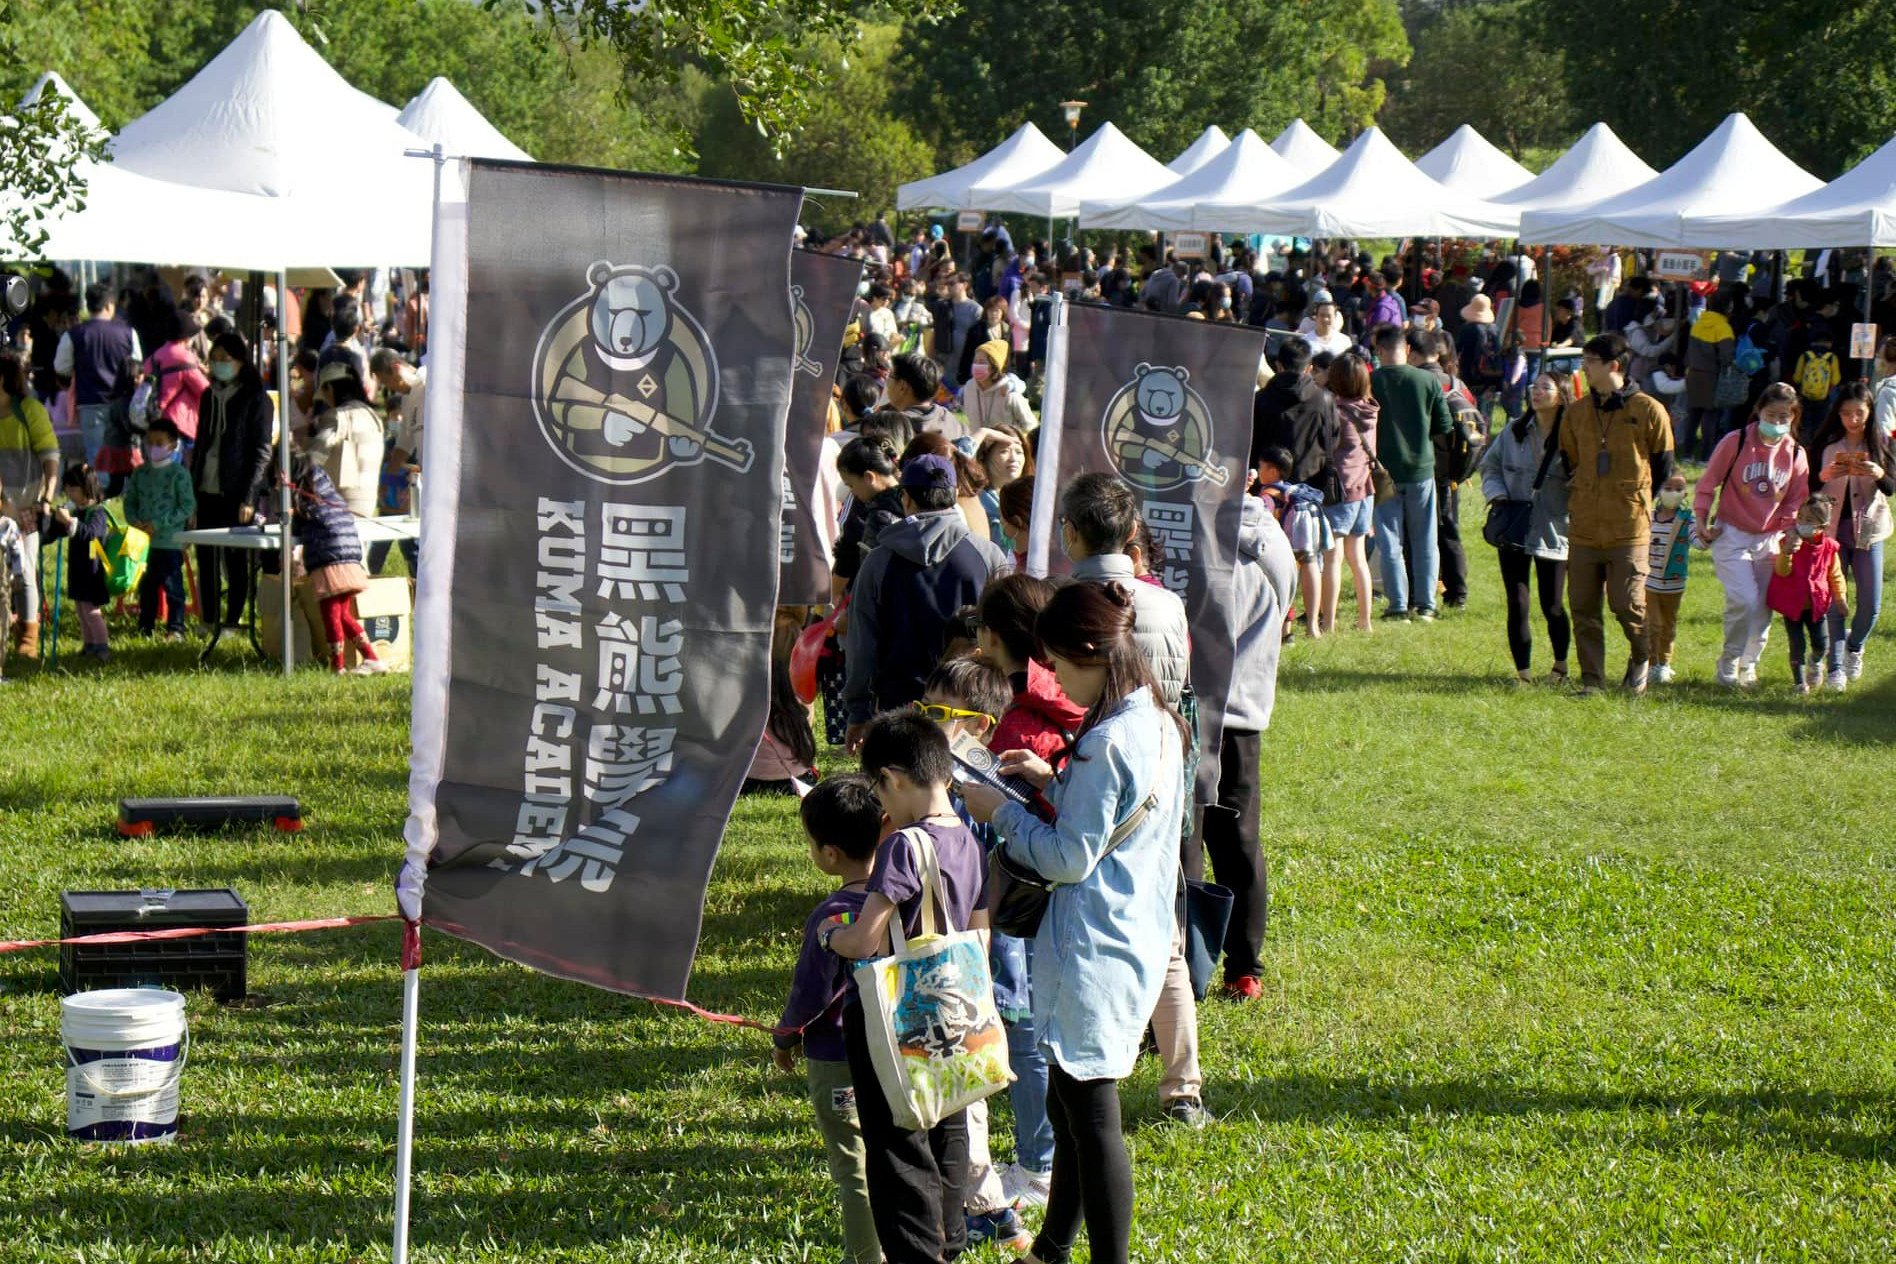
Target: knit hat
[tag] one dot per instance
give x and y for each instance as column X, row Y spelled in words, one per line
column 929, row 470
column 996, row 353
column 1480, row 310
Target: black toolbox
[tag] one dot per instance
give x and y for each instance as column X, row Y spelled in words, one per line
column 215, row 961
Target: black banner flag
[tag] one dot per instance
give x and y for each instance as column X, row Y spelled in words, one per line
column 1164, row 403
column 822, row 290
column 602, row 507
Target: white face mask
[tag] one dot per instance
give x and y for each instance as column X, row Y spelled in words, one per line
column 1671, row 497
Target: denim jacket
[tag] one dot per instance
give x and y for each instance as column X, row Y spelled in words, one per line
column 1101, row 953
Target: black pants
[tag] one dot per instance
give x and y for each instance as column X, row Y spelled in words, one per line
column 1796, row 631
column 1237, row 859
column 917, row 1180
column 1448, row 544
column 1518, row 570
column 164, row 573
column 1092, row 1174
column 221, row 511
column 1702, row 428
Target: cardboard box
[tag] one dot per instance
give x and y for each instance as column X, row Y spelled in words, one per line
column 306, row 620
column 386, row 610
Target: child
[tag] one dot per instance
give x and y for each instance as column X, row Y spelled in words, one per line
column 12, row 575
column 1665, row 573
column 916, row 1178
column 843, row 822
column 87, row 524
column 1298, row 508
column 966, row 696
column 786, row 758
column 1817, row 373
column 159, row 501
column 332, row 557
column 1806, row 579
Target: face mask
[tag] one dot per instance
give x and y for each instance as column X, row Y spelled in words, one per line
column 1225, row 304
column 981, row 371
column 1671, row 499
column 1773, row 430
column 224, row 370
column 160, row 456
column 1805, row 531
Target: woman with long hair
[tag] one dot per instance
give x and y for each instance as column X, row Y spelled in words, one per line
column 1101, row 952
column 1353, row 517
column 1003, row 456
column 1520, row 466
column 1759, row 477
column 1853, row 468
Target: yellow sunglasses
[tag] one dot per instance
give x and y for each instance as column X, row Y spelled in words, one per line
column 943, row 714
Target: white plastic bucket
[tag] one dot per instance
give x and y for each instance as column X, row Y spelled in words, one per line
column 125, row 1052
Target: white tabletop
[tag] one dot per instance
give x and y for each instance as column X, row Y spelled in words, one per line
column 266, row 538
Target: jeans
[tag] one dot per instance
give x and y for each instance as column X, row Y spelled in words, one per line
column 1410, row 511
column 1033, row 1131
column 1597, row 578
column 92, row 419
column 164, row 573
column 916, row 1179
column 1092, row 1173
column 1864, row 566
column 1519, row 571
column 1237, row 859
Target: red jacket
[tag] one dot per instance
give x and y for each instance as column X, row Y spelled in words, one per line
column 1041, row 717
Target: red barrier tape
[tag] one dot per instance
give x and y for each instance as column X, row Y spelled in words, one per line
column 411, row 956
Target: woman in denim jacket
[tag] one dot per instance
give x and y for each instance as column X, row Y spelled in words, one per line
column 1102, row 948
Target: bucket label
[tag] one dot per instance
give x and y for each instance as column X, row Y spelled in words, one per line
column 135, row 1090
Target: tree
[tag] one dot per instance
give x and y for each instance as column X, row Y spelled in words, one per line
column 850, row 139
column 1488, row 65
column 972, row 79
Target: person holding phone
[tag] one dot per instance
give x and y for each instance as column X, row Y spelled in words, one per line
column 1854, row 470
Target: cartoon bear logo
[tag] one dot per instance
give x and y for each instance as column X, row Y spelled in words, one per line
column 626, row 383
column 1157, row 430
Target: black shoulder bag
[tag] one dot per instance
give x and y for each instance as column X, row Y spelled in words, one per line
column 1510, row 521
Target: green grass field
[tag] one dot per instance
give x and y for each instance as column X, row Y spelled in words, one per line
column 1549, row 980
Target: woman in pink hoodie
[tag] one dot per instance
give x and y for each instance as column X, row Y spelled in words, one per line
column 1758, row 477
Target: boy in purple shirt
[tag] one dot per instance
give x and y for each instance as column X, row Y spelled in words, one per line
column 916, row 1178
column 843, row 820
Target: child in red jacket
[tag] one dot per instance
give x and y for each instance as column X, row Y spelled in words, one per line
column 1806, row 579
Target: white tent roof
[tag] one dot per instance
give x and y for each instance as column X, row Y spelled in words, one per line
column 1734, row 171
column 1373, row 191
column 1211, row 198
column 1306, row 150
column 1468, row 163
column 1210, row 143
column 440, row 115
column 1106, row 167
column 51, row 84
column 1025, row 154
column 1598, row 166
column 1858, row 208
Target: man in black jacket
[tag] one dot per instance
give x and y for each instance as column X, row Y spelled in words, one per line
column 1294, row 412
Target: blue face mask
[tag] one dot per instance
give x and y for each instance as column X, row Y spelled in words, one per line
column 1773, row 430
column 160, row 456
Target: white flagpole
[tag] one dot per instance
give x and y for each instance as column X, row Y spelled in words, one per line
column 1041, row 525
column 405, row 1127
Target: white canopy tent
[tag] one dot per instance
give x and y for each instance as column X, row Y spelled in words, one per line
column 1858, row 208
column 1210, row 143
column 51, row 84
column 1247, row 173
column 1733, row 172
column 1106, row 166
column 1469, row 163
column 1373, row 191
column 1022, row 156
column 1598, row 166
column 440, row 115
column 268, row 116
column 1307, row 151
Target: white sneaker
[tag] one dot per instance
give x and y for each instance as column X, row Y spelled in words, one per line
column 1853, row 664
column 370, row 667
column 1747, row 675
column 1023, row 1188
column 1814, row 675
column 1837, row 681
column 1728, row 673
column 1662, row 674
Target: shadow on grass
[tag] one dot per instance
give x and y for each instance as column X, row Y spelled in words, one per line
column 1811, row 1120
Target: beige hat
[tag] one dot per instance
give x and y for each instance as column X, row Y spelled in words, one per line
column 335, row 371
column 1480, row 310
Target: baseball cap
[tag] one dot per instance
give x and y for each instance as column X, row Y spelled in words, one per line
column 929, row 470
column 1322, row 297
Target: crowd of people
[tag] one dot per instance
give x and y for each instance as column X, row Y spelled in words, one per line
column 171, row 420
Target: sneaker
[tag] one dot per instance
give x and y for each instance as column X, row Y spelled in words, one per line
column 1662, row 674
column 1837, row 681
column 1003, row 1227
column 1812, row 675
column 1636, row 677
column 174, row 638
column 1853, row 664
column 1025, row 1187
column 1243, row 988
column 1800, row 688
column 1456, row 603
column 1394, row 615
column 1727, row 674
column 1748, row 676
column 1590, row 691
column 101, row 653
column 1188, row 1111
column 1422, row 616
column 370, row 667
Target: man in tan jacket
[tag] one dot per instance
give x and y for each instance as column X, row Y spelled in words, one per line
column 1617, row 443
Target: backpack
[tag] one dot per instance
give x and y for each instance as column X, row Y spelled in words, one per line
column 1747, row 356
column 1814, row 374
column 1458, row 453
column 145, row 407
column 1488, row 362
column 122, row 553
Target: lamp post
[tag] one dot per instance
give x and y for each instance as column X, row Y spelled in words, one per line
column 1072, row 111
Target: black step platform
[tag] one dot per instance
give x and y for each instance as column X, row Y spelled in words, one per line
column 140, row 817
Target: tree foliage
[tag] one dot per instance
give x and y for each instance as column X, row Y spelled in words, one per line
column 972, row 78
column 1487, row 65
